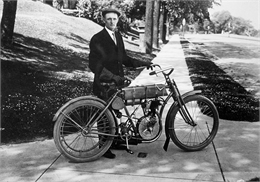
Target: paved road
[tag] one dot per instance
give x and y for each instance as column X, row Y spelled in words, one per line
column 237, row 146
column 223, row 38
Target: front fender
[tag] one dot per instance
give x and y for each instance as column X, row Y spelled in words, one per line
column 167, row 120
column 90, row 97
column 193, row 92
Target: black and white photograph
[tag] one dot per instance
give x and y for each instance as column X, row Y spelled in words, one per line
column 130, row 90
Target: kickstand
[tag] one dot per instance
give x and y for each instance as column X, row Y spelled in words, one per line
column 127, row 146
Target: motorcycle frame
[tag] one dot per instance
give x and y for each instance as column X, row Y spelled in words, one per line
column 174, row 93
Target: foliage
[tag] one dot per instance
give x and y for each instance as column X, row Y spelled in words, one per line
column 130, row 8
column 191, row 10
column 241, row 26
column 137, row 10
column 91, row 9
column 58, row 4
column 256, row 33
column 224, row 22
column 206, row 24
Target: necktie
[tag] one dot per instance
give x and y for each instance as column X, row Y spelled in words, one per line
column 114, row 37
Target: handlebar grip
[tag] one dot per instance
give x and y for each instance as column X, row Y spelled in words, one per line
column 152, row 73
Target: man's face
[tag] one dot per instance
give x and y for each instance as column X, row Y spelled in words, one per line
column 111, row 20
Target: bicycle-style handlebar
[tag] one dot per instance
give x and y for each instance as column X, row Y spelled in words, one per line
column 163, row 71
column 129, row 80
column 159, row 71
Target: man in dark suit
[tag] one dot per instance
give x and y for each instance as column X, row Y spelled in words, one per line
column 107, row 57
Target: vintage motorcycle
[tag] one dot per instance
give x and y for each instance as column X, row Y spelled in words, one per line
column 85, row 127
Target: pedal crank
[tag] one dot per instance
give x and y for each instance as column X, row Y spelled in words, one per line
column 127, row 146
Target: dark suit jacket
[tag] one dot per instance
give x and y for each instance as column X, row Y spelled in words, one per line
column 104, row 53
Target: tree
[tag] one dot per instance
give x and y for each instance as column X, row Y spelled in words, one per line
column 69, row 4
column 136, row 9
column 148, row 36
column 191, row 10
column 163, row 22
column 241, row 26
column 91, row 9
column 224, row 21
column 156, row 15
column 206, row 25
column 7, row 22
column 221, row 21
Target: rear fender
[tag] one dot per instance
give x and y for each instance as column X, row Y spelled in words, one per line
column 75, row 100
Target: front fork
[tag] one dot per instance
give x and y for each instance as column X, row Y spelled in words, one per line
column 185, row 113
column 183, row 109
column 179, row 102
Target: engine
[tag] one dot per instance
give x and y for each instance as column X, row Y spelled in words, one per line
column 149, row 126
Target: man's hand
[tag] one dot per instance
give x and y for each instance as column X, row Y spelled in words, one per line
column 149, row 65
column 118, row 80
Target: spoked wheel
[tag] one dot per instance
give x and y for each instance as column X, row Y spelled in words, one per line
column 81, row 133
column 195, row 137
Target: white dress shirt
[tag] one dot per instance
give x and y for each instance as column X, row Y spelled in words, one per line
column 112, row 34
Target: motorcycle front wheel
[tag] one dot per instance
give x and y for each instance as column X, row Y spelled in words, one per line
column 196, row 137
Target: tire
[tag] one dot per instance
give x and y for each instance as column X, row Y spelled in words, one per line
column 83, row 145
column 204, row 114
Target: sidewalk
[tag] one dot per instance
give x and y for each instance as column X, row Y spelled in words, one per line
column 237, row 145
column 171, row 55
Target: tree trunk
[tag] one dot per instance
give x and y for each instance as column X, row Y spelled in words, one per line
column 69, row 4
column 148, row 37
column 66, row 4
column 72, row 4
column 156, row 16
column 7, row 22
column 162, row 9
column 165, row 25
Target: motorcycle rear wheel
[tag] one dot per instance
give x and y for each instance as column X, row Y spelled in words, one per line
column 78, row 136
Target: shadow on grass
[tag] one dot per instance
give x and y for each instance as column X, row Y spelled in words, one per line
column 232, row 100
column 45, row 55
column 78, row 39
column 30, row 95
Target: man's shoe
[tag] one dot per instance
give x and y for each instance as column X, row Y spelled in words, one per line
column 109, row 154
column 118, row 147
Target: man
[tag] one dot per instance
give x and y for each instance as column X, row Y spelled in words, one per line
column 107, row 57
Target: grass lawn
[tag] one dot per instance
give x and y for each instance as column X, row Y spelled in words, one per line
column 232, row 100
column 47, row 67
